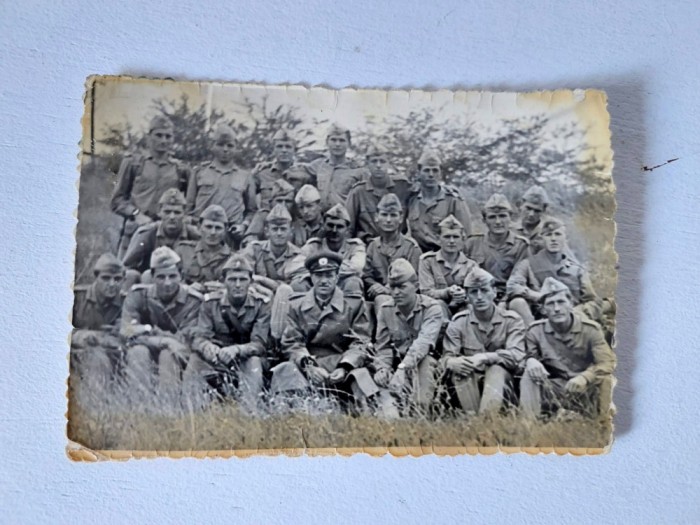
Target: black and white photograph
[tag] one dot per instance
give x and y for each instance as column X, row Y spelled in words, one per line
column 264, row 269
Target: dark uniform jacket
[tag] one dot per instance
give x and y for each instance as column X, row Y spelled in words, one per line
column 209, row 185
column 149, row 237
column 497, row 260
column 91, row 314
column 199, row 265
column 534, row 237
column 334, row 182
column 424, row 220
column 302, row 232
column 436, row 275
column 281, row 268
column 380, row 255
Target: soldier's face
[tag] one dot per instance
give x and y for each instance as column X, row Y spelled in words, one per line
column 213, row 232
column 223, row 149
column 337, row 144
column 378, row 165
column 287, row 199
column 278, row 234
column 284, row 151
column 558, row 307
column 531, row 213
column 388, row 221
column 497, row 221
column 160, row 140
column 237, row 283
column 404, row 294
column 324, row 283
column 451, row 241
column 172, row 216
column 481, row 298
column 109, row 284
column 336, row 229
column 167, row 282
column 310, row 212
column 555, row 241
column 429, row 176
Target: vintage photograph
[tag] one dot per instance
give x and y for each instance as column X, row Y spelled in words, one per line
column 267, row 269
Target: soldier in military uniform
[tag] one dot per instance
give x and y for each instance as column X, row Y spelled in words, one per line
column 568, row 364
column 202, row 260
column 310, row 221
column 336, row 225
column 555, row 260
column 441, row 273
column 335, row 175
column 432, row 201
column 499, row 249
column 231, row 342
column 408, row 329
column 533, row 207
column 95, row 345
column 366, row 194
column 143, row 178
column 483, row 348
column 157, row 323
column 281, row 192
column 221, row 182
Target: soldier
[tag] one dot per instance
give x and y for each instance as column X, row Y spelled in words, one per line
column 555, row 260
column 532, row 209
column 281, row 192
column 232, row 338
column 442, row 273
column 157, row 323
column 326, row 338
column 389, row 246
column 408, row 329
column 431, row 202
column 95, row 346
column 498, row 250
column 568, row 365
column 335, row 239
column 365, row 195
column 144, row 177
column 335, row 174
column 221, row 182
column 202, row 261
column 483, row 347
column 170, row 230
column 310, row 221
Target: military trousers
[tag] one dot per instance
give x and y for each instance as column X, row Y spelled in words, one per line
column 482, row 392
column 154, row 365
column 414, row 389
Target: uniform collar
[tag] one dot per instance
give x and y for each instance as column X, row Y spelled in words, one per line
column 309, row 301
column 161, row 162
column 462, row 259
column 440, row 196
column 496, row 318
column 91, row 296
column 161, row 234
column 372, row 187
column 510, row 238
column 248, row 303
column 345, row 164
column 576, row 326
column 224, row 249
column 180, row 297
column 218, row 169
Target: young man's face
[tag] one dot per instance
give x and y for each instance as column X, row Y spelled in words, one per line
column 531, row 214
column 336, row 229
column 284, row 151
column 237, row 283
column 324, row 283
column 278, row 233
column 558, row 307
column 404, row 294
column 555, row 241
column 109, row 284
column 497, row 221
column 172, row 216
column 337, row 144
column 213, row 232
column 378, row 166
column 481, row 297
column 223, row 149
column 429, row 176
column 160, row 140
column 451, row 241
column 167, row 282
column 310, row 212
column 388, row 221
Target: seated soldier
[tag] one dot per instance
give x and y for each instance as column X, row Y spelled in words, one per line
column 157, row 323
column 281, row 192
column 389, row 246
column 95, row 346
column 533, row 206
column 556, row 261
column 230, row 344
column 335, row 239
column 499, row 249
column 442, row 273
column 431, row 202
column 408, row 328
column 483, row 348
column 568, row 363
column 366, row 194
column 326, row 338
column 310, row 221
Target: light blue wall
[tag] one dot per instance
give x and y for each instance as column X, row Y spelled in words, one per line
column 644, row 53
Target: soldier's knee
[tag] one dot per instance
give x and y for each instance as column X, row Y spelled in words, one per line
column 138, row 355
column 520, row 306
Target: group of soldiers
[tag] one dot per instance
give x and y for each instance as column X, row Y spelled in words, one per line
column 336, row 279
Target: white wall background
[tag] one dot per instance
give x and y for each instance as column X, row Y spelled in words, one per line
column 644, row 53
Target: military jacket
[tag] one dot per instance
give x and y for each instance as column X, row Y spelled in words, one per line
column 266, row 173
column 209, row 184
column 424, row 219
column 199, row 265
column 91, row 314
column 302, row 232
column 497, row 260
column 334, row 182
column 265, row 263
column 503, row 335
column 151, row 236
column 353, row 253
column 533, row 236
column 380, row 255
column 436, row 274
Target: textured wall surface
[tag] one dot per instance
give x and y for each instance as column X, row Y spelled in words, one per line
column 644, row 53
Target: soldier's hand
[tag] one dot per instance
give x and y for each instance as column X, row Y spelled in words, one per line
column 536, row 370
column 377, row 289
column 479, row 361
column 382, row 377
column 338, row 375
column 316, row 375
column 399, row 381
column 229, row 354
column 576, row 385
column 236, row 229
column 457, row 294
column 141, row 219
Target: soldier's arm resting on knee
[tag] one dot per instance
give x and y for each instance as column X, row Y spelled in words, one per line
column 513, row 352
column 293, row 342
column 383, row 355
column 427, row 337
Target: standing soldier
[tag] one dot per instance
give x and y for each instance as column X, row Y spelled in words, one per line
column 431, row 202
column 203, row 261
column 532, row 209
column 569, row 365
column 483, row 348
column 335, row 174
column 556, row 261
column 232, row 338
column 157, row 323
column 442, row 273
column 499, row 249
column 366, row 194
column 310, row 221
column 143, row 178
column 408, row 328
column 281, row 192
column 221, row 182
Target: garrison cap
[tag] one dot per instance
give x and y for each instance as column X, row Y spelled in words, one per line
column 108, row 262
column 214, row 213
column 307, row 194
column 224, row 130
column 401, row 271
column 338, row 212
column 172, row 196
column 551, row 224
column 278, row 214
column 281, row 187
column 163, row 257
column 237, row 262
column 551, row 286
column 451, row 223
column 283, row 134
column 429, row 157
column 497, row 201
column 376, row 150
column 337, row 129
column 477, row 278
column 160, row 122
column 323, row 261
column 389, row 202
column 536, row 195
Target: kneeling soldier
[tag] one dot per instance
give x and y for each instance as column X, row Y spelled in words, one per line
column 231, row 340
column 408, row 328
column 483, row 345
column 569, row 365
